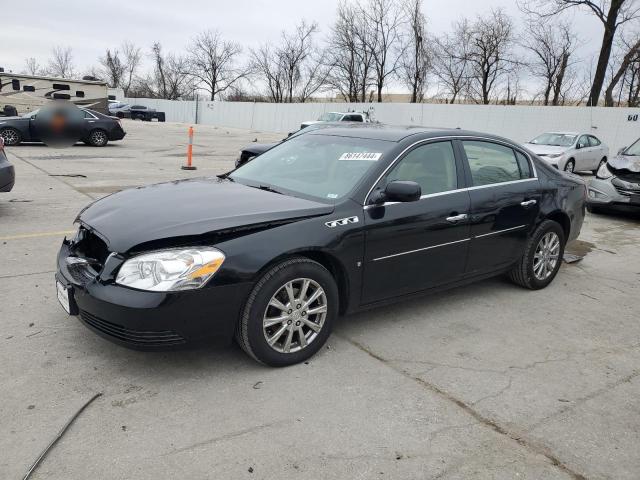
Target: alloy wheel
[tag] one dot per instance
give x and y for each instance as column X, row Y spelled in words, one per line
column 547, row 256
column 569, row 167
column 295, row 315
column 10, row 136
column 98, row 138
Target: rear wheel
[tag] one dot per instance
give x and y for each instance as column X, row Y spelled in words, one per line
column 602, row 162
column 570, row 166
column 11, row 136
column 98, row 138
column 542, row 257
column 289, row 314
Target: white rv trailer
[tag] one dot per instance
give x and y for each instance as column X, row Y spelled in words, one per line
column 27, row 92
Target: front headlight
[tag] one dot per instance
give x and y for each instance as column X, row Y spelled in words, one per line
column 171, row 270
column 555, row 155
column 603, row 172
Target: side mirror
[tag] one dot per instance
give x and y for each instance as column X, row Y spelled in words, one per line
column 578, row 146
column 621, row 151
column 402, row 191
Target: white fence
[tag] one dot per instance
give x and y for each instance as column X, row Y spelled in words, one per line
column 617, row 127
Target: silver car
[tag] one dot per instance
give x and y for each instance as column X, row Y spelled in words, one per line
column 617, row 183
column 570, row 151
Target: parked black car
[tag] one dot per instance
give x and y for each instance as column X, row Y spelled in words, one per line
column 7, row 173
column 98, row 129
column 326, row 223
column 253, row 150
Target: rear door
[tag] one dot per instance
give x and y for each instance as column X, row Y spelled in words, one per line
column 584, row 154
column 597, row 152
column 414, row 246
column 505, row 201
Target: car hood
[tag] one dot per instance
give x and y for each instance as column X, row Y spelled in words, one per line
column 188, row 208
column 545, row 149
column 626, row 162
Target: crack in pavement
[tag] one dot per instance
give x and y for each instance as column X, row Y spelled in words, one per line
column 226, row 436
column 26, row 274
column 582, row 400
column 493, row 425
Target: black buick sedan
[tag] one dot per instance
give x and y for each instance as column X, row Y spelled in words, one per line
column 327, row 223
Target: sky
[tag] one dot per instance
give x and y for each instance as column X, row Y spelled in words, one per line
column 92, row 26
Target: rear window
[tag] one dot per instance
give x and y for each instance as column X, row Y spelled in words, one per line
column 491, row 163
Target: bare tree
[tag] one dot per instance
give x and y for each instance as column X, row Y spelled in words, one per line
column 213, row 62
column 169, row 79
column 383, row 20
column 631, row 49
column 490, row 55
column 551, row 45
column 350, row 58
column 294, row 69
column 415, row 58
column 120, row 66
column 32, row 67
column 132, row 57
column 451, row 63
column 61, row 62
column 611, row 13
column 113, row 67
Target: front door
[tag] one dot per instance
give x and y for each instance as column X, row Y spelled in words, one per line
column 414, row 246
column 505, row 201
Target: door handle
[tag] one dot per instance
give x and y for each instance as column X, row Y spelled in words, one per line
column 528, row 203
column 457, row 218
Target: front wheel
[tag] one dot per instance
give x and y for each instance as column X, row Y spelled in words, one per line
column 98, row 138
column 11, row 136
column 570, row 166
column 602, row 162
column 289, row 313
column 542, row 257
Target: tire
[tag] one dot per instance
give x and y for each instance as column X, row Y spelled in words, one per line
column 11, row 136
column 98, row 138
column 570, row 166
column 291, row 324
column 120, row 115
column 602, row 162
column 523, row 272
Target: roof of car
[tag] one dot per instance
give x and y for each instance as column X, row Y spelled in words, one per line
column 391, row 133
column 564, row 133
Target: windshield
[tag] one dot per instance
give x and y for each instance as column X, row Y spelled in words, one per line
column 325, row 167
column 555, row 139
column 633, row 149
column 330, row 117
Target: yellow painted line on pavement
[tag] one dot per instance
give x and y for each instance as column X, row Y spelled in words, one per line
column 37, row 235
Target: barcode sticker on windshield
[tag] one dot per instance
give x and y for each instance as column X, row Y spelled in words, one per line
column 367, row 156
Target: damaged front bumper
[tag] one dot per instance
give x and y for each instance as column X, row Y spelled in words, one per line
column 146, row 320
column 613, row 193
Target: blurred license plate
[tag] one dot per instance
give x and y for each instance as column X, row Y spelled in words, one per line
column 63, row 297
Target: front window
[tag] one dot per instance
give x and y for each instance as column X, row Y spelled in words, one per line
column 633, row 150
column 330, row 117
column 554, row 139
column 323, row 167
column 432, row 166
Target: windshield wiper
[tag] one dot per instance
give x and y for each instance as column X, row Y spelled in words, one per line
column 267, row 188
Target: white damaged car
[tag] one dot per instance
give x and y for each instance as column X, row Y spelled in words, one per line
column 570, row 151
